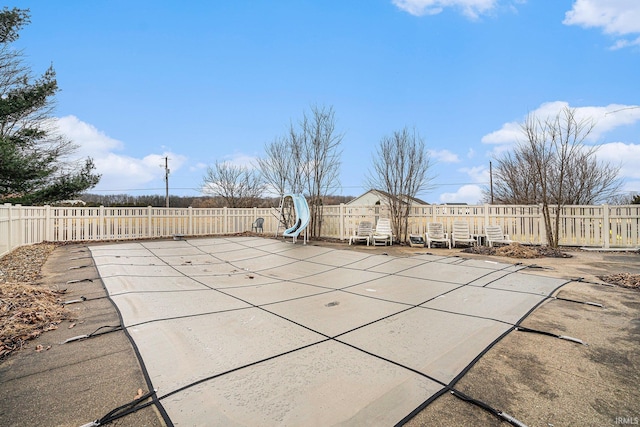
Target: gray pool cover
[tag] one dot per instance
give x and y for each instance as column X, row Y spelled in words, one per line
column 252, row 331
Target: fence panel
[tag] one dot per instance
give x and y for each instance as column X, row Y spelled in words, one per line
column 595, row 226
column 521, row 222
column 581, row 225
column 625, row 226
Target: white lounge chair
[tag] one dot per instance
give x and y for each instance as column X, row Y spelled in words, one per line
column 461, row 234
column 383, row 233
column 494, row 235
column 363, row 232
column 435, row 233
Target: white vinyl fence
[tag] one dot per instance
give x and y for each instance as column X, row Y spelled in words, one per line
column 594, row 226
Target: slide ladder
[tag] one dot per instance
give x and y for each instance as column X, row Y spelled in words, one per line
column 301, row 208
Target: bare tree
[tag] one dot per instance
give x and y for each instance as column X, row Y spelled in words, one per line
column 553, row 166
column 400, row 168
column 625, row 198
column 238, row 186
column 319, row 160
column 276, row 166
column 306, row 161
column 513, row 183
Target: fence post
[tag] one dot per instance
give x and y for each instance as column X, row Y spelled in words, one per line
column 486, row 217
column 9, row 226
column 102, row 227
column 341, row 221
column 20, row 225
column 542, row 226
column 224, row 220
column 48, row 224
column 606, row 227
column 150, row 227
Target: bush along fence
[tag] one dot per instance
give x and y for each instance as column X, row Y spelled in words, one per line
column 601, row 226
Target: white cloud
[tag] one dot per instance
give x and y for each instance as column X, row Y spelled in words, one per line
column 470, row 8
column 616, row 17
column 613, row 16
column 627, row 156
column 119, row 172
column 606, row 119
column 471, row 194
column 507, row 134
column 91, row 142
column 444, row 156
column 241, row 159
column 621, row 44
column 479, row 174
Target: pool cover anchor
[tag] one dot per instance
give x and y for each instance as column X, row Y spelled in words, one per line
column 123, row 410
column 73, row 301
column 538, row 267
column 594, row 304
column 498, row 413
column 551, row 334
column 92, row 334
column 69, row 282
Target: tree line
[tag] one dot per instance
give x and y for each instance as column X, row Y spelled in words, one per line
column 156, row 200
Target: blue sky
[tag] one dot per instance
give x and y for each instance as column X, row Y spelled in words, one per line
column 201, row 81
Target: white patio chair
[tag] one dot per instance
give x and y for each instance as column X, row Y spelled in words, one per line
column 363, row 232
column 494, row 235
column 435, row 233
column 461, row 234
column 383, row 233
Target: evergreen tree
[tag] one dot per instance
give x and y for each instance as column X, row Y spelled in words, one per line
column 35, row 160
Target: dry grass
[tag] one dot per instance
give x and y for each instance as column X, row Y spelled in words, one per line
column 626, row 280
column 27, row 308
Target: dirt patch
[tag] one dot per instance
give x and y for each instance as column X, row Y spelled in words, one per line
column 27, row 308
column 516, row 250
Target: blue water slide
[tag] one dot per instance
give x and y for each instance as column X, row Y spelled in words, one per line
column 301, row 207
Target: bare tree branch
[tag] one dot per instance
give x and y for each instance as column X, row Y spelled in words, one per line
column 306, row 161
column 554, row 167
column 400, row 168
column 238, row 186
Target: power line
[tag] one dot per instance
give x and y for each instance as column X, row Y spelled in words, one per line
column 622, row 109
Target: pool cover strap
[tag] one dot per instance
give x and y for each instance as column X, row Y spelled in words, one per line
column 123, row 410
column 93, row 334
column 500, row 414
column 551, row 334
column 595, row 304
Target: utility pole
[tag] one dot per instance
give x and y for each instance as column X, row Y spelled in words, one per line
column 166, row 179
